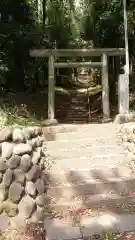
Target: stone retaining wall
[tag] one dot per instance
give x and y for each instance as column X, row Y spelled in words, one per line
column 22, row 186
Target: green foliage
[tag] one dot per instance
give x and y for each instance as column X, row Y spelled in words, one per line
column 25, row 24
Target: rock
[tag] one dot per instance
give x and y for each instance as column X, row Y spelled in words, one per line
column 15, row 192
column 18, row 136
column 3, row 192
column 25, row 162
column 6, row 134
column 39, row 184
column 29, row 142
column 1, row 207
column 124, row 137
column 8, row 177
column 36, row 156
column 19, row 176
column 30, row 189
column 33, row 173
column 37, row 142
column 14, row 161
column 31, row 132
column 46, row 178
column 131, row 147
column 3, row 165
column 4, row 222
column 26, row 206
column 7, row 149
column 130, row 156
column 1, row 176
column 129, row 129
column 42, row 200
column 10, row 208
column 22, row 148
column 37, row 131
column 28, row 132
column 130, row 137
column 38, row 215
column 133, row 138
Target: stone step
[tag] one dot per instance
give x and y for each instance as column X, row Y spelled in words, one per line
column 78, row 107
column 64, row 128
column 102, row 161
column 83, row 135
column 84, row 152
column 94, row 204
column 93, row 188
column 78, row 112
column 76, row 121
column 108, row 222
column 90, row 175
column 74, row 114
column 89, row 226
column 86, row 141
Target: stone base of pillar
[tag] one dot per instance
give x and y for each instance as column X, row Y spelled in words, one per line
column 124, row 118
column 49, row 122
column 106, row 120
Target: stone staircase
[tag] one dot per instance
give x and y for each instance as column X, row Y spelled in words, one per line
column 78, row 111
column 90, row 186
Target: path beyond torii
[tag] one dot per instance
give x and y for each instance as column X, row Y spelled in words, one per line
column 89, row 182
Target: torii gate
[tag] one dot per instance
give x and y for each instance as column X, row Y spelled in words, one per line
column 103, row 64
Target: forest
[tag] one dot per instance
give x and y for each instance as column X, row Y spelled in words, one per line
column 27, row 24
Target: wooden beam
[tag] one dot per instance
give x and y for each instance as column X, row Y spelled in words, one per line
column 77, row 64
column 105, row 88
column 76, row 52
column 51, row 89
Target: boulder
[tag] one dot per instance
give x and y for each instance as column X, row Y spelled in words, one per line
column 38, row 215
column 31, row 132
column 37, row 131
column 39, row 184
column 8, row 177
column 33, row 173
column 42, row 200
column 1, row 206
column 22, row 148
column 37, row 142
column 3, row 165
column 6, row 134
column 14, row 161
column 19, row 176
column 18, row 136
column 25, row 162
column 26, row 206
column 131, row 147
column 15, row 192
column 4, row 222
column 1, row 176
column 28, row 132
column 36, row 156
column 6, row 149
column 30, row 189
column 10, row 208
column 3, row 192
